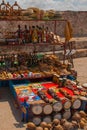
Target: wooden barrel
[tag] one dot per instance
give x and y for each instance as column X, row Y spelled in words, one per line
column 76, row 103
column 57, row 106
column 66, row 114
column 57, row 116
column 47, row 109
column 66, row 104
column 37, row 109
column 85, row 85
column 47, row 119
column 83, row 102
column 36, row 120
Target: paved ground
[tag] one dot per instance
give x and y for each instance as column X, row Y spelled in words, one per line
column 80, row 65
column 76, row 39
column 10, row 117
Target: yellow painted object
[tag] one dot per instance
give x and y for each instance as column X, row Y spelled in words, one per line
column 68, row 31
column 23, row 109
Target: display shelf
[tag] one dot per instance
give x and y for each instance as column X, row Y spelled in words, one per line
column 28, row 78
column 29, row 44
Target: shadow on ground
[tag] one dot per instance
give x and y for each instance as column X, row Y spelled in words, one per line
column 6, row 96
column 19, row 125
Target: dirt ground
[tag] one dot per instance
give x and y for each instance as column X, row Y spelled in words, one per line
column 80, row 65
column 10, row 116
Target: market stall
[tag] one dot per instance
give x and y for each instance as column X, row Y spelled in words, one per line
column 48, row 100
column 49, row 87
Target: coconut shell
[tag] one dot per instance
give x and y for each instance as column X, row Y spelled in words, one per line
column 59, row 127
column 76, row 117
column 39, row 128
column 68, row 126
column 31, row 126
column 55, row 122
column 85, row 128
column 84, row 120
column 62, row 121
column 49, row 126
column 43, row 124
column 82, row 124
column 46, row 129
column 71, row 127
column 83, row 114
column 75, row 124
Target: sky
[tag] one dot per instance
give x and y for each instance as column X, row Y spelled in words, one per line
column 60, row 5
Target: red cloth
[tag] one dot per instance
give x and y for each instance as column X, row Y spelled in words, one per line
column 49, row 85
column 48, row 96
column 60, row 95
column 34, row 91
column 22, row 99
column 68, row 91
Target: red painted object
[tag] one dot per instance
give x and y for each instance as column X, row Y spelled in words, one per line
column 23, row 98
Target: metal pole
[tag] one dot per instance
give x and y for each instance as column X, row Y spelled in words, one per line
column 64, row 58
column 55, row 34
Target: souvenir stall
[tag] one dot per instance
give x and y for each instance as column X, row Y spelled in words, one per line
column 49, row 86
column 55, row 99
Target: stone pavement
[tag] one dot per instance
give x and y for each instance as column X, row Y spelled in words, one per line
column 10, row 117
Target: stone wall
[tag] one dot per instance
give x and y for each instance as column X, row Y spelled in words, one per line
column 43, row 47
column 78, row 21
column 11, row 26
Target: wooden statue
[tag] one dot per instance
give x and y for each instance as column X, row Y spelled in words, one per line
column 8, row 9
column 34, row 35
column 3, row 8
column 15, row 9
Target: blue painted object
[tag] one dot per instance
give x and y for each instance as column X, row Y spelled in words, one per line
column 71, row 77
column 26, row 105
column 83, row 105
column 37, row 98
column 14, row 83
